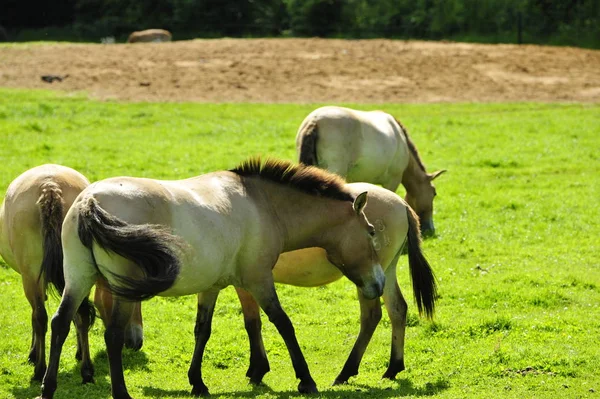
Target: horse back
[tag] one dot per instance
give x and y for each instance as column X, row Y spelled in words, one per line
column 34, row 208
column 360, row 145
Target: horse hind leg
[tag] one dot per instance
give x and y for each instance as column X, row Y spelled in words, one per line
column 370, row 315
column 259, row 363
column 83, row 321
column 397, row 309
column 114, row 337
column 61, row 322
column 202, row 331
column 39, row 322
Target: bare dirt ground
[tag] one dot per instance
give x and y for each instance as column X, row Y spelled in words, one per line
column 308, row 70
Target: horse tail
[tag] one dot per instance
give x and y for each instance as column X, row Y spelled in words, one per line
column 152, row 248
column 423, row 279
column 50, row 203
column 309, row 135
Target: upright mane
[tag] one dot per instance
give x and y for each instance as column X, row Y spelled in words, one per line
column 309, row 179
column 411, row 146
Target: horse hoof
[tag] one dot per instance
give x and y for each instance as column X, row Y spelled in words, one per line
column 134, row 337
column 309, row 387
column 88, row 380
column 200, row 391
column 38, row 375
column 394, row 369
column 339, row 382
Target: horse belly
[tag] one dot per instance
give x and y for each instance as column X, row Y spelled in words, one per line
column 307, row 267
column 374, row 163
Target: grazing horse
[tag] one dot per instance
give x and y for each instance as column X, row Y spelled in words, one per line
column 171, row 238
column 396, row 225
column 150, row 36
column 31, row 220
column 368, row 147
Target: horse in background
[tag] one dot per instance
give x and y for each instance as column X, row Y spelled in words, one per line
column 31, row 220
column 150, row 36
column 368, row 147
column 148, row 237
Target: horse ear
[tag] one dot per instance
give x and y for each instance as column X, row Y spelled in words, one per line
column 360, row 202
column 434, row 175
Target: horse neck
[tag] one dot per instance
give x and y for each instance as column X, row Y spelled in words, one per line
column 413, row 175
column 303, row 219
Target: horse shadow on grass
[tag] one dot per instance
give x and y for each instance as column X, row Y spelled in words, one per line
column 69, row 382
column 405, row 388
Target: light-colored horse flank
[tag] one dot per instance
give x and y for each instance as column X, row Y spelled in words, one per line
column 396, row 225
column 31, row 219
column 150, row 36
column 170, row 238
column 368, row 147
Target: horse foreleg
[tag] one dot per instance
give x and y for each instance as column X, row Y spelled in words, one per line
column 83, row 322
column 370, row 314
column 396, row 307
column 204, row 315
column 114, row 336
column 268, row 301
column 259, row 363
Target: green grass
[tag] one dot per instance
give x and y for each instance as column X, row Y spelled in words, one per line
column 516, row 255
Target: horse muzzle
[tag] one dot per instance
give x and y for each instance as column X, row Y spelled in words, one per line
column 374, row 289
column 427, row 228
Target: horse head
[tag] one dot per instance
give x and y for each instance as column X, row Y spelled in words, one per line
column 420, row 198
column 354, row 251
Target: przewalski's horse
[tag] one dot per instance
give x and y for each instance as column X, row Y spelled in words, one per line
column 170, row 238
column 396, row 228
column 31, row 220
column 396, row 225
column 368, row 147
column 150, row 36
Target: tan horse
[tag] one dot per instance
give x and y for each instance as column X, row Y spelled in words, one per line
column 170, row 238
column 396, row 228
column 368, row 147
column 396, row 225
column 150, row 36
column 31, row 219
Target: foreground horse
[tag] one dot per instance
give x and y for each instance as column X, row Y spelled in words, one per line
column 31, row 219
column 170, row 238
column 396, row 225
column 368, row 147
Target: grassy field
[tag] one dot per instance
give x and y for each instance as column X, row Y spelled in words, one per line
column 516, row 255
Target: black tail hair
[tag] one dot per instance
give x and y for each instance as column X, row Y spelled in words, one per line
column 308, row 147
column 423, row 279
column 153, row 248
column 51, row 205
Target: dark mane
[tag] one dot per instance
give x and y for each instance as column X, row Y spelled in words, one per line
column 411, row 146
column 309, row 179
